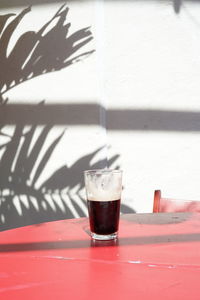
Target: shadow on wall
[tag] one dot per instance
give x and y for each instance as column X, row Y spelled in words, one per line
column 24, row 157
column 89, row 114
column 177, row 4
column 21, row 202
column 37, row 53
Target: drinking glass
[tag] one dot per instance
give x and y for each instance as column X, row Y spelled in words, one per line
column 103, row 191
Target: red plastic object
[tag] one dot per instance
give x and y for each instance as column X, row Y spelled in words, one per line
column 161, row 204
column 157, row 256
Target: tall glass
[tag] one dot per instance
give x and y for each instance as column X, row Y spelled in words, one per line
column 103, row 190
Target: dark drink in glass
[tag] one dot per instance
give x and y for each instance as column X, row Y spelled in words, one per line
column 103, row 189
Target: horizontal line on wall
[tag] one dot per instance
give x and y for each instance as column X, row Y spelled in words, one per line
column 91, row 114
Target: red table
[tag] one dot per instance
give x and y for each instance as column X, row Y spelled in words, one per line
column 157, row 256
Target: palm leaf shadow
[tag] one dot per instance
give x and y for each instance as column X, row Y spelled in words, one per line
column 25, row 204
column 13, row 210
column 49, row 49
column 18, row 168
column 8, row 157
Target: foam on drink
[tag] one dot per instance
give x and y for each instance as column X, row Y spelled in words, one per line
column 105, row 190
column 103, row 196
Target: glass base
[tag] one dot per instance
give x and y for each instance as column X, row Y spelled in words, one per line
column 103, row 237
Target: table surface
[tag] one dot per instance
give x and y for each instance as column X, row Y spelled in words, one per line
column 157, row 256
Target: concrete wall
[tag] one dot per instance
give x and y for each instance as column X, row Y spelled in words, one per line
column 127, row 97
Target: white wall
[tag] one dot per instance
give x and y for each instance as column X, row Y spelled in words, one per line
column 153, row 64
column 145, row 71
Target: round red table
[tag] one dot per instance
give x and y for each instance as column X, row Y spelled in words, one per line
column 157, row 256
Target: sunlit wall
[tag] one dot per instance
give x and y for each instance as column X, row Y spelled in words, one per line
column 123, row 91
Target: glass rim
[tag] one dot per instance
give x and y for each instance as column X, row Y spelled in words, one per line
column 101, row 171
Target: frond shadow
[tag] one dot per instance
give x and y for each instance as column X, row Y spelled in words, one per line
column 23, row 160
column 50, row 49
